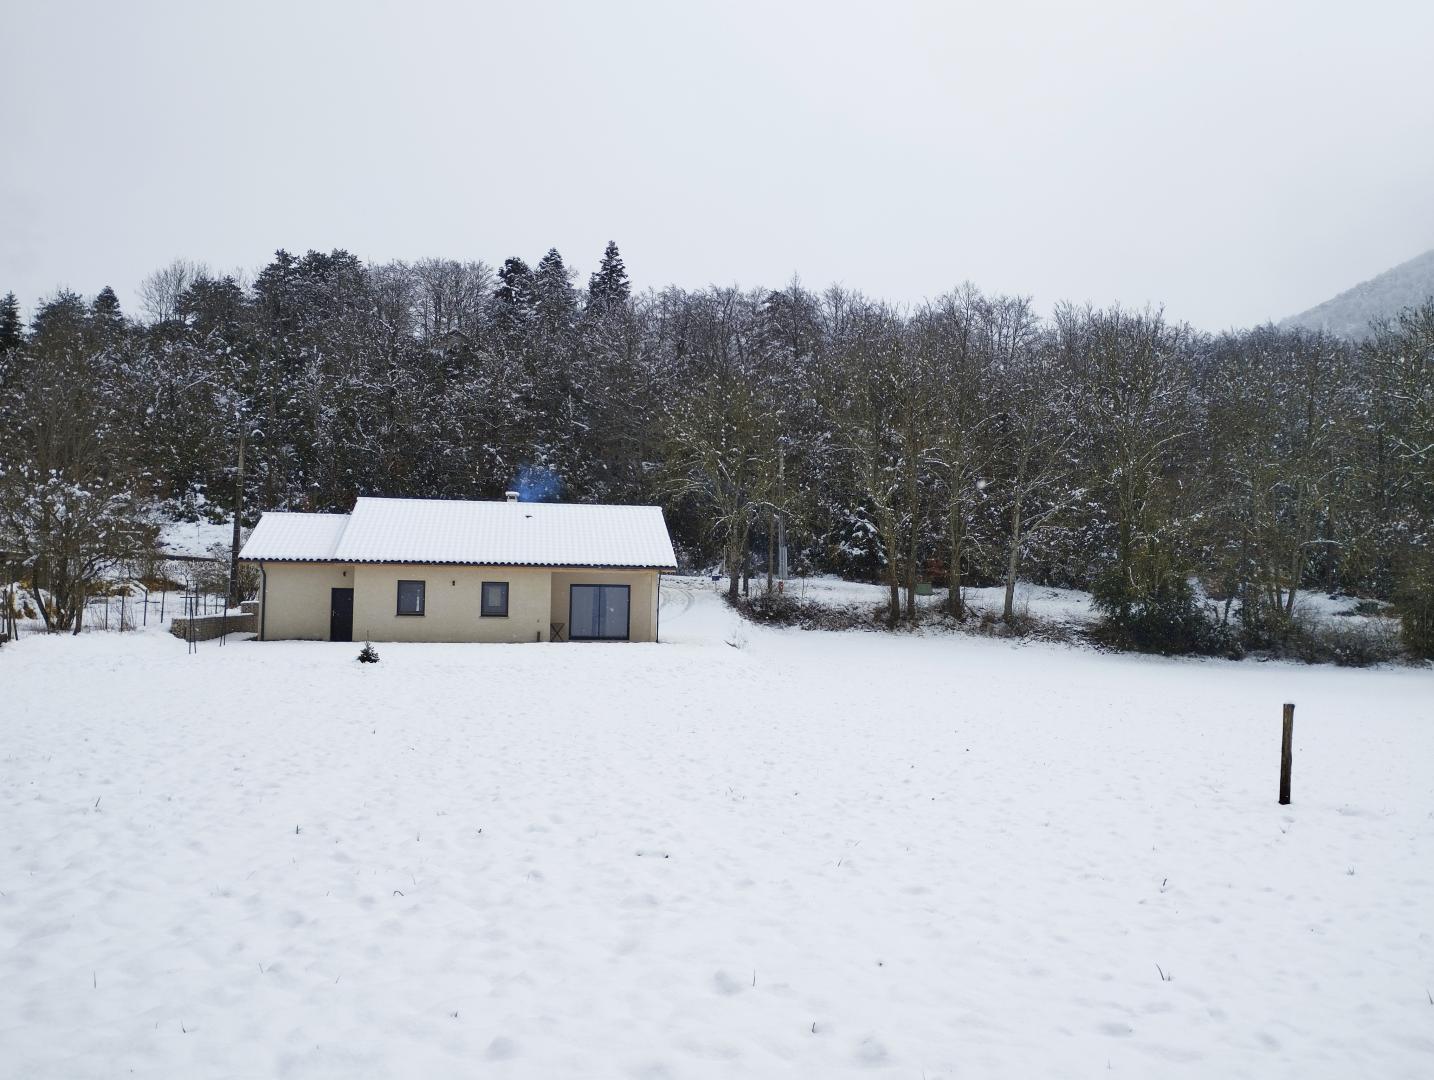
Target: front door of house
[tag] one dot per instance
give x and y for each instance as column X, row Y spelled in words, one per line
column 341, row 615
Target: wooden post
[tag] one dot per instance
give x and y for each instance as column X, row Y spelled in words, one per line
column 1287, row 753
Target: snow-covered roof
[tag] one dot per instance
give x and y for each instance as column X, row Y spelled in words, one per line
column 477, row 533
column 295, row 537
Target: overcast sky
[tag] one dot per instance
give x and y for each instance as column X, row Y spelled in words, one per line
column 1232, row 161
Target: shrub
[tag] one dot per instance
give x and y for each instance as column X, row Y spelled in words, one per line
column 1414, row 600
column 781, row 608
column 776, row 607
column 1346, row 643
column 1262, row 626
column 368, row 654
column 1167, row 621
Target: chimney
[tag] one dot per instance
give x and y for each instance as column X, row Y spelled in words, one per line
column 511, row 496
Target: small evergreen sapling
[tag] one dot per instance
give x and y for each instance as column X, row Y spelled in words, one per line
column 368, row 654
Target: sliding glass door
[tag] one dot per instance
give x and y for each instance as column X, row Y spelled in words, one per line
column 598, row 612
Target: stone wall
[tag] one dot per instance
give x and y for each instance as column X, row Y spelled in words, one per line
column 207, row 627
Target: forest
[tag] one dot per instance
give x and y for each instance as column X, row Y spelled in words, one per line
column 1197, row 484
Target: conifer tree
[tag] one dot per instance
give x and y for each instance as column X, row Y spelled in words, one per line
column 11, row 329
column 553, row 296
column 515, row 283
column 105, row 315
column 106, row 305
column 608, row 284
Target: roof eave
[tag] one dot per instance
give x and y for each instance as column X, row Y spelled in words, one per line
column 664, row 567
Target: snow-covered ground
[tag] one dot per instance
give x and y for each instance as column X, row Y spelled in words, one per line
column 197, row 539
column 1042, row 601
column 129, row 603
column 812, row 855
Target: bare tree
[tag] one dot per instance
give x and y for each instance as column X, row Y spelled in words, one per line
column 70, row 510
column 722, row 426
column 1280, row 416
column 1134, row 415
column 879, row 401
column 451, row 296
column 162, row 292
column 1033, row 428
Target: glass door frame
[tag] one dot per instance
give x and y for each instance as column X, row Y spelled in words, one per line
column 599, row 586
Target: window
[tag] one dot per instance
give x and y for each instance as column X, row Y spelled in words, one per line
column 495, row 599
column 598, row 612
column 410, row 597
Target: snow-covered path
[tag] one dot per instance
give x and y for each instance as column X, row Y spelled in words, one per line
column 815, row 855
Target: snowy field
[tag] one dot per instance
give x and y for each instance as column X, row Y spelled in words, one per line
column 814, row 855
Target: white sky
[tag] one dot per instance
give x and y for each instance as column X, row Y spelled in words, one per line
column 1233, row 161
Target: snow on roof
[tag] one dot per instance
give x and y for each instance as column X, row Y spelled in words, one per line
column 298, row 537
column 478, row 533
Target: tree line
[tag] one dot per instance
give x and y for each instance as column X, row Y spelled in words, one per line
column 1197, row 484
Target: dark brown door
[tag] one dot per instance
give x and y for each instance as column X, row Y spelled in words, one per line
column 341, row 615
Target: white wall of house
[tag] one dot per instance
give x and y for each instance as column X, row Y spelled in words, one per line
column 295, row 600
column 642, row 602
column 452, row 605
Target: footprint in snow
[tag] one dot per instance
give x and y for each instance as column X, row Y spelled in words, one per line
column 501, row 1049
column 871, row 1052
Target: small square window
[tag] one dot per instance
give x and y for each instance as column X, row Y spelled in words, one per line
column 410, row 597
column 495, row 598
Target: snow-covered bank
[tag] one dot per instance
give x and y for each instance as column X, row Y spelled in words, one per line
column 1049, row 603
column 196, row 539
column 1044, row 602
column 814, row 855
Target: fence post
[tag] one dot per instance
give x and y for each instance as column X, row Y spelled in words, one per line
column 1287, row 753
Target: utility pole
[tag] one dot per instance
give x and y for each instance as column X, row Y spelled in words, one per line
column 234, row 597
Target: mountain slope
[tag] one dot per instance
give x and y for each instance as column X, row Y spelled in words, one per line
column 1349, row 313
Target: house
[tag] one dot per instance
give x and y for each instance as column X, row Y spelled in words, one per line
column 445, row 570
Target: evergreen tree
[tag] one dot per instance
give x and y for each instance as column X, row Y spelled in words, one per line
column 557, row 372
column 213, row 305
column 106, row 306
column 11, row 329
column 515, row 286
column 554, row 299
column 513, row 312
column 105, row 316
column 609, row 284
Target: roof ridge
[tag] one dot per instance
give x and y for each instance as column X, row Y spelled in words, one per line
column 339, row 540
column 502, row 502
